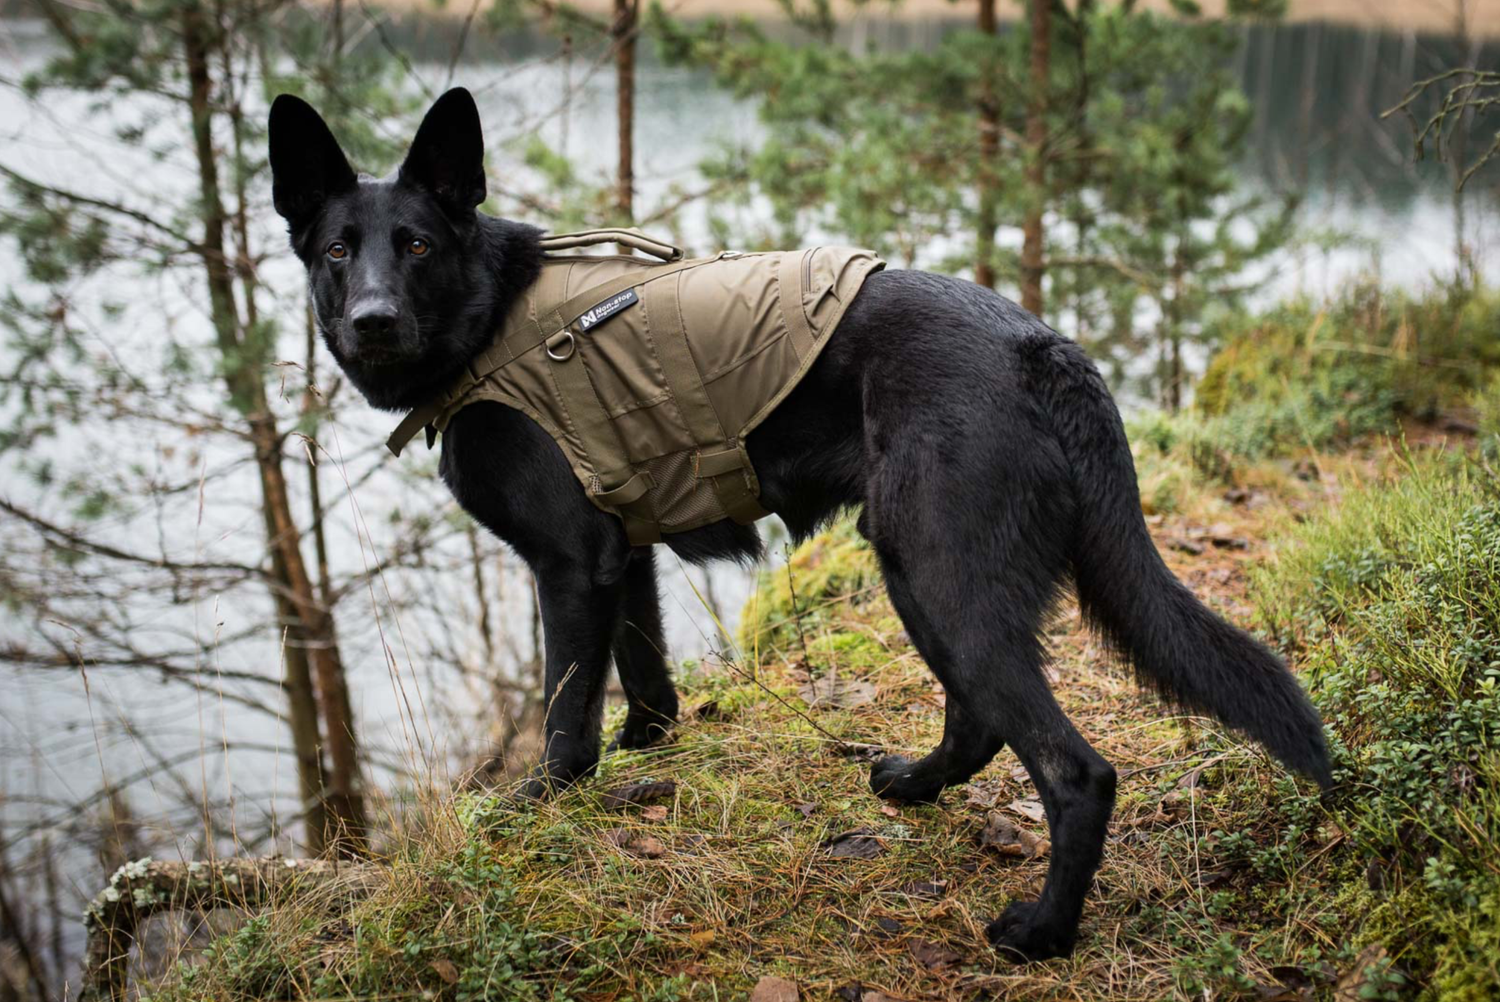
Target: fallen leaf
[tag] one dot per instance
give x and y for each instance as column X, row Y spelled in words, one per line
column 858, row 843
column 986, row 793
column 933, row 956
column 1351, row 984
column 1179, row 802
column 1030, row 808
column 1007, row 839
column 806, row 809
column 889, row 811
column 837, row 691
column 873, row 996
column 657, row 812
column 702, row 939
column 650, row 847
column 1289, row 975
column 622, row 797
column 640, row 845
column 925, row 888
column 445, row 969
column 1185, row 545
column 886, row 927
column 774, row 989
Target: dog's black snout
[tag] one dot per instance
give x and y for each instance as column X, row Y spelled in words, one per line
column 376, row 319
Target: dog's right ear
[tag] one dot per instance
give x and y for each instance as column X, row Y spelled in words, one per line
column 307, row 166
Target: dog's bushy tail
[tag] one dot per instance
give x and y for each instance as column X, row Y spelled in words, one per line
column 1178, row 647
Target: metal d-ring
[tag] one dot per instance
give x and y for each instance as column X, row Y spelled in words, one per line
column 563, row 355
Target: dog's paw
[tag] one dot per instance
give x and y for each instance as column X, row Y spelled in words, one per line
column 1022, row 934
column 548, row 778
column 639, row 734
column 896, row 777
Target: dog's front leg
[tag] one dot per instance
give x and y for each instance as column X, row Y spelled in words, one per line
column 579, row 610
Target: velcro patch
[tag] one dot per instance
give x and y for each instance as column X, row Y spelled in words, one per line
column 602, row 312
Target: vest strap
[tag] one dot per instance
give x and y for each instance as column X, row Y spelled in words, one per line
column 789, row 284
column 735, row 482
column 629, row 492
column 629, row 237
column 727, row 470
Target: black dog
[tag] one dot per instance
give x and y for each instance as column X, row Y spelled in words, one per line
column 983, row 451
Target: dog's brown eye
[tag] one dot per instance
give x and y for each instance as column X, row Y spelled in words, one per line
column 337, row 251
column 417, row 247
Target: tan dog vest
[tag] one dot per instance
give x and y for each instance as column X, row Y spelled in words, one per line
column 650, row 375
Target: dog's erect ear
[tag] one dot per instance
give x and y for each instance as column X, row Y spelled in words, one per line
column 307, row 165
column 447, row 157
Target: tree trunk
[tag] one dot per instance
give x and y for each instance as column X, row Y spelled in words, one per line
column 1033, row 249
column 624, row 31
column 310, row 625
column 1172, row 318
column 989, row 150
column 344, row 803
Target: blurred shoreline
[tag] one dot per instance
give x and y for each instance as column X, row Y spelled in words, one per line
column 1477, row 18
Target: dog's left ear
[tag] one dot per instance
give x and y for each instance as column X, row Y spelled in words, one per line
column 447, row 157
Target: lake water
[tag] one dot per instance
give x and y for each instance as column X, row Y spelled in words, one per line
column 1316, row 88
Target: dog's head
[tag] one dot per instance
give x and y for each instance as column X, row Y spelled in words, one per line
column 406, row 277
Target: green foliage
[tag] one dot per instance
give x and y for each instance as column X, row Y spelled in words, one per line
column 1304, row 378
column 1328, row 373
column 1393, row 601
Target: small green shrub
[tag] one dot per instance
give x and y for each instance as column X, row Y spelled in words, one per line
column 1392, row 602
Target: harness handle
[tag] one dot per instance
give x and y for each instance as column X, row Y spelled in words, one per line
column 619, row 235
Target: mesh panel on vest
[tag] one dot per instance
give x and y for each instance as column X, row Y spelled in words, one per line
column 679, row 497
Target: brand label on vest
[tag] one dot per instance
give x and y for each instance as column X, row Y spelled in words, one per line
column 614, row 304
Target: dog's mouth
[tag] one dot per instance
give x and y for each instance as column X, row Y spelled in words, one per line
column 376, row 356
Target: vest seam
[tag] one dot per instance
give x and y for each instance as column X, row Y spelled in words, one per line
column 729, row 367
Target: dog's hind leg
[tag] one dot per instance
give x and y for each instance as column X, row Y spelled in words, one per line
column 972, row 564
column 640, row 658
column 967, row 747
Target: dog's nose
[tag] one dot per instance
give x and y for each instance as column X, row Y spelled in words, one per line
column 377, row 319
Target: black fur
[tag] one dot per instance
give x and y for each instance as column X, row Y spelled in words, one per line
column 982, row 450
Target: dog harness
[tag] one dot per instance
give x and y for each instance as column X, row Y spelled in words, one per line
column 650, row 374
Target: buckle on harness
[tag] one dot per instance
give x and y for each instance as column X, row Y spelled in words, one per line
column 560, row 350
